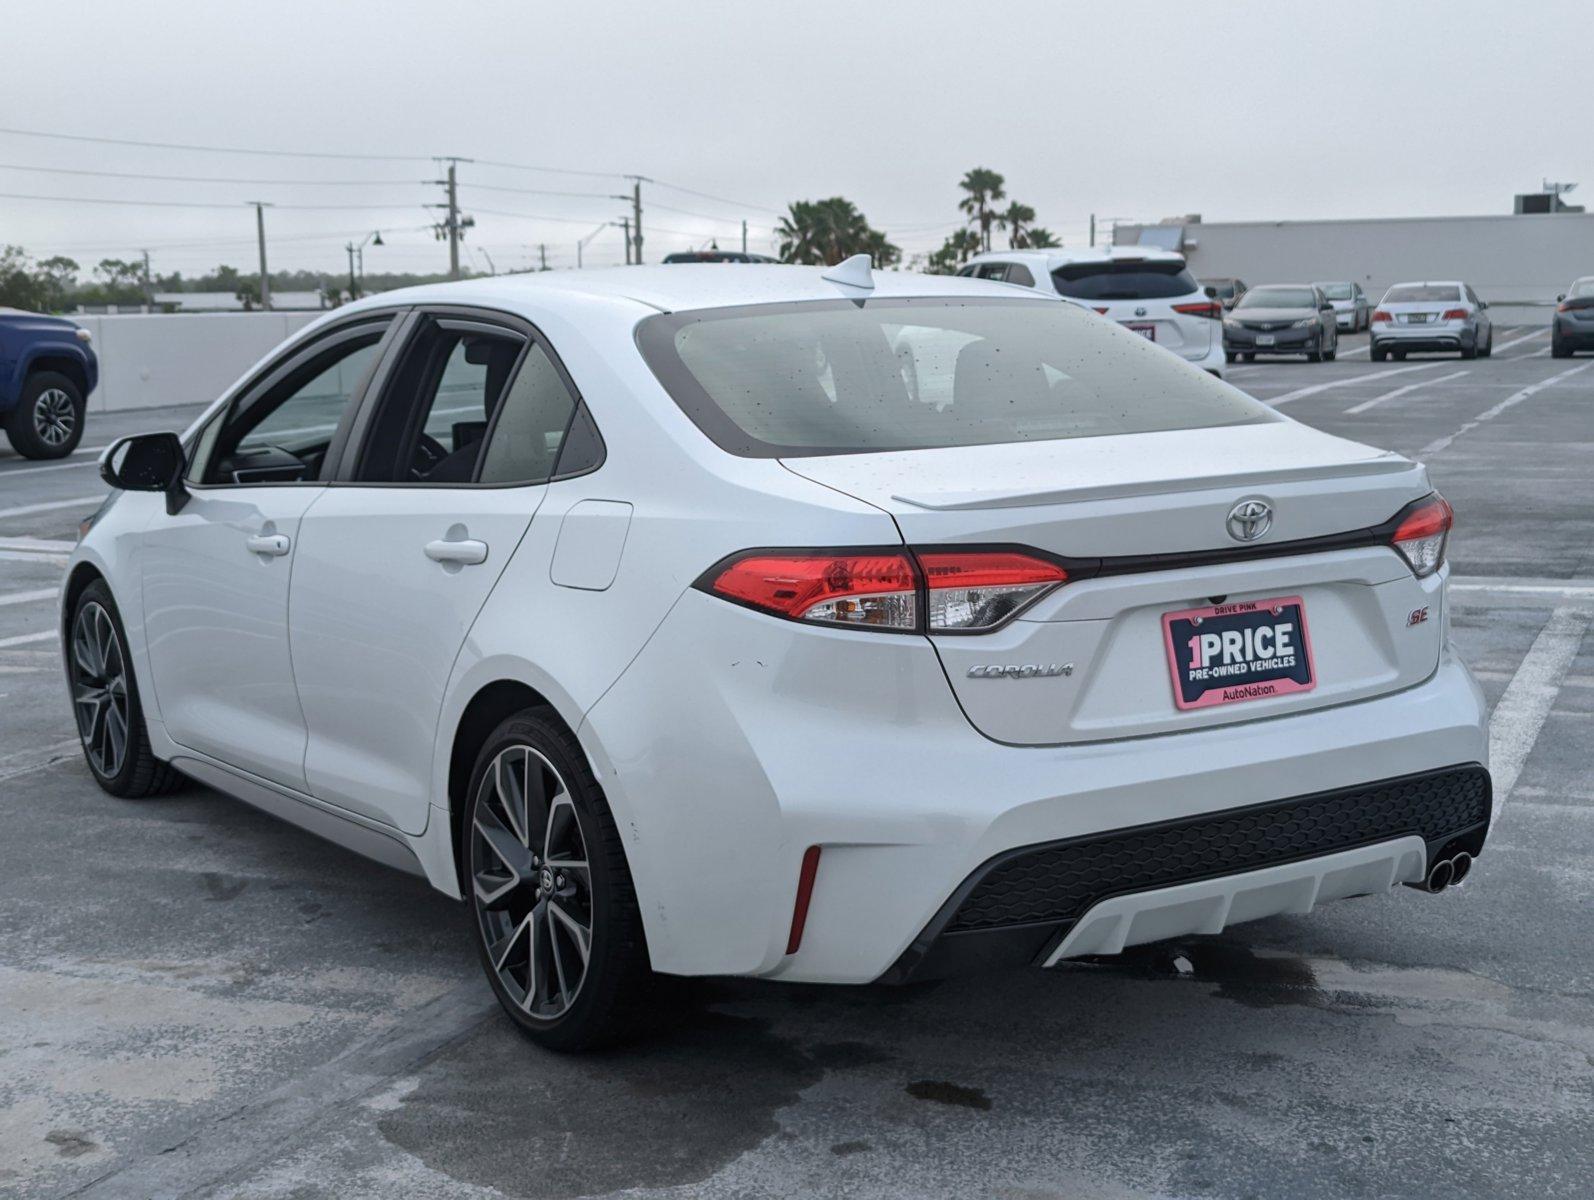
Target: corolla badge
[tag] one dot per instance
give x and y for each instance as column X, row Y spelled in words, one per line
column 1250, row 519
column 1021, row 671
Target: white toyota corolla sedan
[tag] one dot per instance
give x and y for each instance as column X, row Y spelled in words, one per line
column 783, row 622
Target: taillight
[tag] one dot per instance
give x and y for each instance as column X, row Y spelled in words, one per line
column 1206, row 308
column 1421, row 529
column 1454, row 314
column 877, row 590
column 930, row 591
column 975, row 591
column 1564, row 306
column 1099, row 309
column 1381, row 315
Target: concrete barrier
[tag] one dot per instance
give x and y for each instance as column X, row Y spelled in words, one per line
column 149, row 360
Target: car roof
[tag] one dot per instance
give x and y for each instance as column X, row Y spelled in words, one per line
column 1428, row 283
column 678, row 287
column 1060, row 257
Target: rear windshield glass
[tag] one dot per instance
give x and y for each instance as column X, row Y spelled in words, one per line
column 1125, row 279
column 1336, row 291
column 1422, row 293
column 1278, row 297
column 1583, row 287
column 844, row 377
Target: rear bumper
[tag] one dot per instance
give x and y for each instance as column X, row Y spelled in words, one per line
column 1098, row 894
column 776, row 737
column 1440, row 337
column 1577, row 334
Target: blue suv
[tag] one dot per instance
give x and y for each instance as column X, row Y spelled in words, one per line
column 47, row 371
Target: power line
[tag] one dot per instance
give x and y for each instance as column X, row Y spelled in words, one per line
column 675, row 187
column 109, row 141
column 199, row 204
column 509, row 166
column 218, row 178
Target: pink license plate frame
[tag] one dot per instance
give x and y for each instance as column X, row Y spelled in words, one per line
column 1235, row 691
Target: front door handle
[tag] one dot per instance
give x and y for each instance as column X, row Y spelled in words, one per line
column 460, row 553
column 273, row 544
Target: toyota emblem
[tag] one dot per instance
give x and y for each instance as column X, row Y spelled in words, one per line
column 1140, row 312
column 1250, row 519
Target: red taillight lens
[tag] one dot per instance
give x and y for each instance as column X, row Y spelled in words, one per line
column 874, row 590
column 971, row 591
column 1381, row 315
column 1421, row 529
column 1563, row 307
column 1454, row 314
column 958, row 591
column 1099, row 309
column 1207, row 308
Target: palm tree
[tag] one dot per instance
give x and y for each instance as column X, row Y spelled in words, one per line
column 953, row 252
column 984, row 188
column 1036, row 238
column 1014, row 219
column 823, row 232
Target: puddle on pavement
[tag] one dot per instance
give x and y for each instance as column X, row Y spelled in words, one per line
column 1244, row 975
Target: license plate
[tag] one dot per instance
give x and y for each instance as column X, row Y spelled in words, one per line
column 1149, row 332
column 1229, row 653
column 1417, row 319
column 1265, row 339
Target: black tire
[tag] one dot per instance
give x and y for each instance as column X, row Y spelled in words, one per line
column 1400, row 355
column 1248, row 357
column 48, row 419
column 618, row 990
column 1229, row 356
column 136, row 772
column 1378, row 353
column 1559, row 348
column 1488, row 346
column 1315, row 355
column 1331, row 355
column 1469, row 352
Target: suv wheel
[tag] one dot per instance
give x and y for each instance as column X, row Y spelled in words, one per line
column 48, row 419
column 553, row 909
column 110, row 720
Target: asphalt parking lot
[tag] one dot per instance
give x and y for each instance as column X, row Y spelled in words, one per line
column 196, row 1000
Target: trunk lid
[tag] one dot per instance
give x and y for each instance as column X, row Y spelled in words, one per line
column 1098, row 645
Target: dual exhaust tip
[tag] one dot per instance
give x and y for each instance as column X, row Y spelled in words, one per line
column 1447, row 872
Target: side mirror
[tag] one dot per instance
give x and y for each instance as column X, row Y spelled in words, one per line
column 1483, row 304
column 148, row 462
column 1561, row 297
column 1212, row 292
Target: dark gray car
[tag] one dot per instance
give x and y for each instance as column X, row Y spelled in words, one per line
column 1282, row 318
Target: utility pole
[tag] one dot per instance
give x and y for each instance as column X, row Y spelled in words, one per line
column 636, row 214
column 1092, row 229
column 625, row 224
column 149, row 295
column 542, row 256
column 744, row 235
column 260, row 233
column 354, row 287
column 453, row 226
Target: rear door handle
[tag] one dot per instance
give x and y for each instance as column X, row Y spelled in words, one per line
column 462, row 553
column 274, row 544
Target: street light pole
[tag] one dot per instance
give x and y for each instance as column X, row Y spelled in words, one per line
column 260, row 233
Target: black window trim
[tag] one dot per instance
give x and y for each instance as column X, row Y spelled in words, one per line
column 480, row 320
column 280, row 368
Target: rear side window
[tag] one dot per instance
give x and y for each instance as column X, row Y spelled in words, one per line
column 524, row 444
column 1422, row 293
column 1019, row 273
column 1124, row 279
column 843, row 377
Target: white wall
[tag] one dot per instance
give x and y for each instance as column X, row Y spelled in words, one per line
column 1517, row 263
column 152, row 360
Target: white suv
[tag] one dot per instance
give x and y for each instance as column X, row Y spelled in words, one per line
column 1149, row 291
column 781, row 622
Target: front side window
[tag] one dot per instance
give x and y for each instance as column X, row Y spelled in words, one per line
column 282, row 434
column 1124, row 279
column 1278, row 297
column 839, row 377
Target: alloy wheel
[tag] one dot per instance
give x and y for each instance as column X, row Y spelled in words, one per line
column 99, row 689
column 532, row 883
column 54, row 417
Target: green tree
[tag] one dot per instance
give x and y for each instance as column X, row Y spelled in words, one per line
column 19, row 284
column 57, row 276
column 1036, row 238
column 1016, row 219
column 823, row 232
column 983, row 188
column 954, row 252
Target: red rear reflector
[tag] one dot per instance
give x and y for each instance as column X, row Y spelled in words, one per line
column 1563, row 307
column 805, row 892
column 1101, row 310
column 1454, row 314
column 845, row 589
column 1381, row 315
column 1207, row 308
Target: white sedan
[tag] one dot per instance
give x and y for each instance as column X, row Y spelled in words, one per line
column 786, row 622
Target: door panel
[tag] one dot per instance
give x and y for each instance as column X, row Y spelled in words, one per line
column 378, row 619
column 216, row 618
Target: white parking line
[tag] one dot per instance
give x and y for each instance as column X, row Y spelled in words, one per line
column 1489, row 414
column 1518, row 341
column 1400, row 391
column 33, row 545
column 60, row 466
column 28, row 509
column 31, row 597
column 1299, row 393
column 1572, row 589
column 26, row 639
column 1529, row 697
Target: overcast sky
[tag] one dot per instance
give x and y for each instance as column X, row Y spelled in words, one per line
column 1269, row 110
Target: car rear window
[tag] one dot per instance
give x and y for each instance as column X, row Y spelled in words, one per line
column 1124, row 279
column 1336, row 291
column 1583, row 287
column 1422, row 293
column 847, row 377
